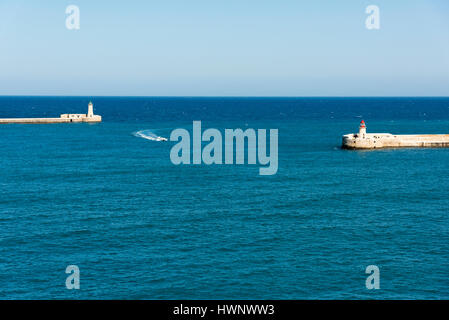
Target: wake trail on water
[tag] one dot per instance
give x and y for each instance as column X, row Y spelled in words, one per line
column 149, row 135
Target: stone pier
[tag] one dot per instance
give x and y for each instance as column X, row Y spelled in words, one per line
column 64, row 118
column 363, row 140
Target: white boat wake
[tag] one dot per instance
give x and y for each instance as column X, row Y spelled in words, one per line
column 149, row 135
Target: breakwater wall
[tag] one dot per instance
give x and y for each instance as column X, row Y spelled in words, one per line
column 386, row 140
column 47, row 120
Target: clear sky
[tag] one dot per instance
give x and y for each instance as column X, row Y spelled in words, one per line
column 225, row 48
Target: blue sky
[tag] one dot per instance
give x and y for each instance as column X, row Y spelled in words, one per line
column 225, row 48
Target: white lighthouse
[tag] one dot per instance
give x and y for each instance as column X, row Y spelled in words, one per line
column 78, row 117
column 90, row 110
column 362, row 130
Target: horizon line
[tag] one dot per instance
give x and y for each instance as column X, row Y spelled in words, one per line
column 213, row 96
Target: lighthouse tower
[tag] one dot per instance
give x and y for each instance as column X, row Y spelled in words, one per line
column 90, row 110
column 362, row 130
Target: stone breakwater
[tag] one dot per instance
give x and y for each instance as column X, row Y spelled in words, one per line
column 386, row 140
column 363, row 140
column 46, row 120
column 64, row 118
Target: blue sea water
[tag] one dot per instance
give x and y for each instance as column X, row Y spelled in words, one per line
column 110, row 201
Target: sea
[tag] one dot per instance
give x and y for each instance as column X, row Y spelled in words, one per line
column 107, row 199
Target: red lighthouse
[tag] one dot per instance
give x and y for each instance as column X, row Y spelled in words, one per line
column 362, row 129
